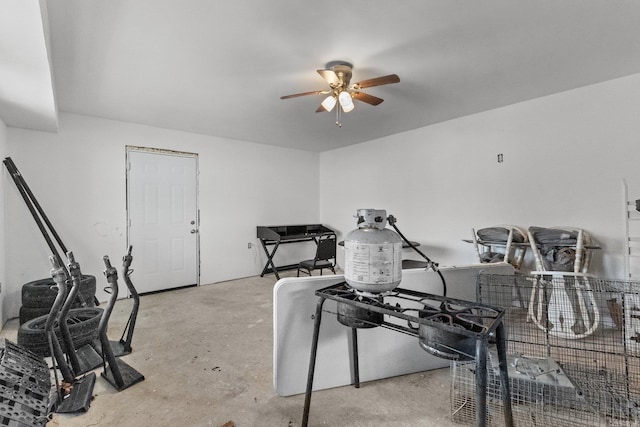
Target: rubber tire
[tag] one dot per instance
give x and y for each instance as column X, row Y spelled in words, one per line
column 28, row 313
column 83, row 327
column 40, row 294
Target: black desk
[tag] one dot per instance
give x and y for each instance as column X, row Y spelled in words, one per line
column 274, row 235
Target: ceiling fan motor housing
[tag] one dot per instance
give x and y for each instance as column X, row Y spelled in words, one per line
column 344, row 75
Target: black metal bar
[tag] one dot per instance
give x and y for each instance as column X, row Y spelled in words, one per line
column 131, row 323
column 15, row 175
column 74, row 271
column 337, row 292
column 59, row 277
column 112, row 278
column 481, row 382
column 312, row 361
column 39, row 208
column 356, row 366
column 501, row 346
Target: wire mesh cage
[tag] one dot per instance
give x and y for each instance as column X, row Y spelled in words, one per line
column 573, row 346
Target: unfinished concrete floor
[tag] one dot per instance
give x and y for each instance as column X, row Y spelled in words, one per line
column 206, row 354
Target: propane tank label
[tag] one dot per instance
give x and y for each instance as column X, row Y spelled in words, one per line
column 372, row 263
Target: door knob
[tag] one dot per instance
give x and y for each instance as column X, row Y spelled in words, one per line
column 194, row 231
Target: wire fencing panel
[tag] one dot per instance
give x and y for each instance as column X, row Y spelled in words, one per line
column 573, row 348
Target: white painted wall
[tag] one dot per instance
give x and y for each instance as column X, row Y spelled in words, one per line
column 564, row 159
column 78, row 176
column 565, row 156
column 4, row 182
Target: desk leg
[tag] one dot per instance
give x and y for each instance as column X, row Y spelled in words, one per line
column 481, row 382
column 312, row 362
column 270, row 259
column 501, row 345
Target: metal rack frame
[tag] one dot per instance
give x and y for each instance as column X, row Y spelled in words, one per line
column 494, row 328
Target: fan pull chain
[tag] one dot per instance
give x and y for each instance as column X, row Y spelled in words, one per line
column 338, row 115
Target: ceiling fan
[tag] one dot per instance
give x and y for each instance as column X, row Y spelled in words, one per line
column 342, row 92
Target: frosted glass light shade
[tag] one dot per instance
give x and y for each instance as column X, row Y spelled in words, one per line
column 345, row 101
column 328, row 103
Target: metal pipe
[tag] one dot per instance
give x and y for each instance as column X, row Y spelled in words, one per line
column 112, row 278
column 38, row 207
column 59, row 277
column 16, row 176
column 312, row 361
column 74, row 271
column 131, row 324
column 356, row 366
column 481, row 382
column 501, row 346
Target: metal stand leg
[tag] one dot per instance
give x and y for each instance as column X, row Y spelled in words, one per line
column 312, row 362
column 354, row 348
column 481, row 378
column 481, row 382
column 501, row 345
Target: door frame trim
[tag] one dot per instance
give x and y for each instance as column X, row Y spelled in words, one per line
column 165, row 152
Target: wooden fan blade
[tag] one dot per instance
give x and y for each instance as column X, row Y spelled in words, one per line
column 378, row 81
column 295, row 95
column 321, row 109
column 365, row 97
column 330, row 76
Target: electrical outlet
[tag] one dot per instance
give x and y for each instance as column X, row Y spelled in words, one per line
column 249, row 245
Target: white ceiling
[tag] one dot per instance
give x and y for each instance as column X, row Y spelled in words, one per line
column 219, row 68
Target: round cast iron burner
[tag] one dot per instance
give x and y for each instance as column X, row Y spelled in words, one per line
column 359, row 317
column 449, row 343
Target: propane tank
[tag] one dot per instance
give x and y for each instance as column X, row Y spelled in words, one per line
column 373, row 254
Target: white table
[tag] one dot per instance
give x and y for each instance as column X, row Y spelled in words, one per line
column 383, row 353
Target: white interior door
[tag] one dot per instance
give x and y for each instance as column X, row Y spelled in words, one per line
column 162, row 208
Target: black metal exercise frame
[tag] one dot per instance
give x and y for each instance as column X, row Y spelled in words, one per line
column 123, row 346
column 82, row 388
column 120, row 374
column 494, row 328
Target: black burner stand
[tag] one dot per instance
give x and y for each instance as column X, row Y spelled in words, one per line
column 482, row 343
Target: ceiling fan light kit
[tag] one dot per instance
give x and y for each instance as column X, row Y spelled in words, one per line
column 345, row 101
column 328, row 103
column 341, row 93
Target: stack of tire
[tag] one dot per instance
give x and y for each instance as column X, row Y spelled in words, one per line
column 37, row 299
